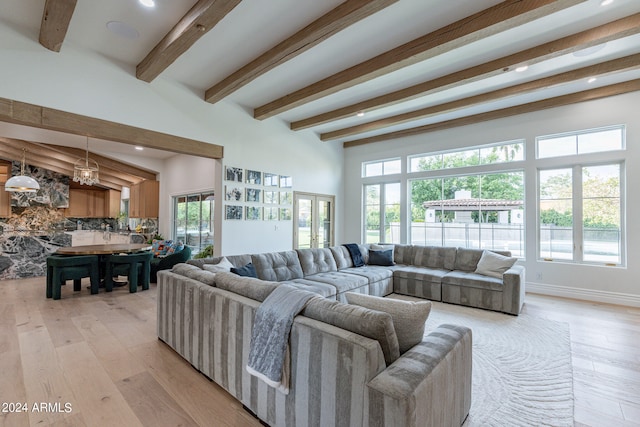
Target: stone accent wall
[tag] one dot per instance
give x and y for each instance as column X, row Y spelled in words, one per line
column 54, row 188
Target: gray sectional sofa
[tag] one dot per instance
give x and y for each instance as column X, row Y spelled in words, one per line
column 435, row 273
column 342, row 369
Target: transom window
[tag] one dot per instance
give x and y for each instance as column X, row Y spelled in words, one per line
column 483, row 155
column 383, row 167
column 582, row 142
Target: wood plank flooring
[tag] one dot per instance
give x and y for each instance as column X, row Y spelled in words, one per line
column 95, row 360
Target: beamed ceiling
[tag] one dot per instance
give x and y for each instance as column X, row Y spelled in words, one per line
column 362, row 71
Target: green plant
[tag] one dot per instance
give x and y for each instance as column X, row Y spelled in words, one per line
column 207, row 252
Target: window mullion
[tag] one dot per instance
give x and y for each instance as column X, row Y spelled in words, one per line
column 578, row 215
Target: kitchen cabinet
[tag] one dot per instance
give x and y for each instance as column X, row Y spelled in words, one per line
column 5, row 197
column 86, row 203
column 93, row 203
column 112, row 203
column 144, row 199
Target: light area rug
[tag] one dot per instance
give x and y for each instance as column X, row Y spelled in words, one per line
column 522, row 371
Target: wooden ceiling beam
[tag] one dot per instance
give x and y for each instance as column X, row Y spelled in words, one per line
column 631, row 62
column 612, row 31
column 574, row 98
column 63, row 162
column 336, row 20
column 137, row 173
column 201, row 18
column 494, row 20
column 56, row 18
column 10, row 153
column 48, row 118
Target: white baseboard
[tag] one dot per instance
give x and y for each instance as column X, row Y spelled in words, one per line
column 584, row 294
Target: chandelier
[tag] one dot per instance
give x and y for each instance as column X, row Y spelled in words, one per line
column 22, row 183
column 86, row 171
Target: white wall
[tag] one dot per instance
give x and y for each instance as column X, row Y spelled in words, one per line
column 88, row 84
column 610, row 284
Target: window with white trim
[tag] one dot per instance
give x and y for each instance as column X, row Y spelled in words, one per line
column 382, row 167
column 580, row 204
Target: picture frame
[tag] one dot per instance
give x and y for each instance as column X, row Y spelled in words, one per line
column 254, row 177
column 233, row 193
column 253, row 195
column 233, row 212
column 253, row 213
column 271, row 214
column 272, row 197
column 286, row 181
column 271, row 179
column 285, row 214
column 233, row 174
column 286, row 198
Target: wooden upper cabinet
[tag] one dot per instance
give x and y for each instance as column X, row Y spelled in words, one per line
column 112, row 203
column 5, row 197
column 90, row 204
column 144, row 199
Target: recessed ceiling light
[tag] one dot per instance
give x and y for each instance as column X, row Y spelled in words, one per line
column 122, row 29
column 139, row 148
column 360, row 113
column 522, row 68
column 591, row 80
column 148, row 3
column 606, row 2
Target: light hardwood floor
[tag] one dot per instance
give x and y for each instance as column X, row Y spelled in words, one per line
column 99, row 355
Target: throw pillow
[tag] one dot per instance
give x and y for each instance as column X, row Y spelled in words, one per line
column 223, row 265
column 381, row 257
column 248, row 270
column 494, row 265
column 408, row 317
column 175, row 247
column 160, row 247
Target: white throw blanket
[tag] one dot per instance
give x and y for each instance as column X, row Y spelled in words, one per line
column 269, row 356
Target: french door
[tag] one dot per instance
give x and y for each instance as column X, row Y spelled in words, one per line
column 313, row 220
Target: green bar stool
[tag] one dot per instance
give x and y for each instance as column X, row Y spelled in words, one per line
column 137, row 267
column 63, row 268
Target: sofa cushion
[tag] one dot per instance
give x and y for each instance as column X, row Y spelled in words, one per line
column 249, row 287
column 196, row 273
column 319, row 260
column 403, row 254
column 223, row 265
column 343, row 258
column 423, row 274
column 374, row 273
column 343, row 282
column 472, row 280
column 323, row 289
column 467, row 259
column 434, row 257
column 247, row 271
column 409, row 317
column 493, row 264
column 277, row 266
column 236, row 260
column 362, row 321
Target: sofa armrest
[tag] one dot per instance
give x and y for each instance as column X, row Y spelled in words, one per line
column 429, row 385
column 514, row 289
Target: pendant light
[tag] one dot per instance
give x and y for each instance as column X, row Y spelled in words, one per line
column 86, row 171
column 22, row 183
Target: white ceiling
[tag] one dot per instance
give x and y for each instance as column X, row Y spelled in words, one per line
column 254, row 26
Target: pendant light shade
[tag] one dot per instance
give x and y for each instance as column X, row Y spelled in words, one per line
column 86, row 171
column 22, row 183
